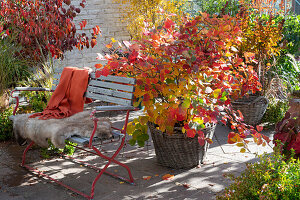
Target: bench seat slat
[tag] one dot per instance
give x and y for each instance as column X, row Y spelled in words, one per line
column 117, row 79
column 113, row 93
column 106, row 108
column 31, row 89
column 109, row 99
column 128, row 88
column 84, row 141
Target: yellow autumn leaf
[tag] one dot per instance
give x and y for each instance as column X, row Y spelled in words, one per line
column 144, row 120
column 130, row 128
column 240, row 144
column 113, row 40
column 243, row 150
column 198, row 120
column 216, row 93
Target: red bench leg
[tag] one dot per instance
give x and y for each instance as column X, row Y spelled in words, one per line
column 24, row 153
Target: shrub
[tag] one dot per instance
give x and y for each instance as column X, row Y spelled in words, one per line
column 6, row 129
column 44, row 27
column 275, row 111
column 12, row 68
column 218, row 6
column 271, row 178
column 288, row 132
column 141, row 14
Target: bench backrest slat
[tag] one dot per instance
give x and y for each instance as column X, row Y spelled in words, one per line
column 111, row 89
column 117, row 79
column 110, row 85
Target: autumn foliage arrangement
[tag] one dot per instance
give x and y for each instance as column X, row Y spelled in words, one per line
column 187, row 76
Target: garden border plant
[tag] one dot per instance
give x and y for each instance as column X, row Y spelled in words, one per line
column 272, row 177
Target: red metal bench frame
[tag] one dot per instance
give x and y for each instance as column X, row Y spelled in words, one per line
column 90, row 148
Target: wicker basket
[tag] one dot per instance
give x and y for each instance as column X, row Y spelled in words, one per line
column 252, row 108
column 176, row 150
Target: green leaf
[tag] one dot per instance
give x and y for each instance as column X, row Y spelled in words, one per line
column 186, row 103
column 143, row 137
column 224, row 94
column 132, row 142
column 141, row 143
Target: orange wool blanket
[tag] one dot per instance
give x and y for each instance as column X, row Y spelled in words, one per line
column 68, row 98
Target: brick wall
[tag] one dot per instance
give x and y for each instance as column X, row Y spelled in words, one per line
column 106, row 15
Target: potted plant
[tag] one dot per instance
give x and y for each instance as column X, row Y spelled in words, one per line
column 186, row 76
column 261, row 35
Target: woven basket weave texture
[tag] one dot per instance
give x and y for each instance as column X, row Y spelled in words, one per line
column 252, row 108
column 177, row 151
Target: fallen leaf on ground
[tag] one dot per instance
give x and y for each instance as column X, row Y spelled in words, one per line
column 121, row 182
column 168, row 177
column 146, row 177
column 186, row 185
column 156, row 175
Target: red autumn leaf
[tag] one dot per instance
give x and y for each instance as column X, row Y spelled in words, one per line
column 259, row 128
column 98, row 74
column 201, row 141
column 146, row 97
column 240, row 114
column 105, row 71
column 82, row 5
column 181, row 114
column 190, row 133
column 168, row 23
column 68, row 2
column 139, row 82
column 230, row 140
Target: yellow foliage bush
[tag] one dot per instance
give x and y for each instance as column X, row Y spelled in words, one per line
column 139, row 14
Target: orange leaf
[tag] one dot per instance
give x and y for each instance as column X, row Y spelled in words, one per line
column 98, row 66
column 109, row 45
column 93, row 42
column 146, row 177
column 168, row 177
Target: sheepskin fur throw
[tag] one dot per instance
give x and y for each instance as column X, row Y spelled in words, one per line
column 57, row 130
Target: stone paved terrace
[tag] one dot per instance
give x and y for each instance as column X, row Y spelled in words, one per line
column 205, row 181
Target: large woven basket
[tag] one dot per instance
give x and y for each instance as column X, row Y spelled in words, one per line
column 178, row 151
column 253, row 108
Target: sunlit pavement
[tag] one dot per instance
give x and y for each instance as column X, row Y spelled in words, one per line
column 203, row 182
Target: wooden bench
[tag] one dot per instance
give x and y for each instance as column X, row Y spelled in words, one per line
column 118, row 92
